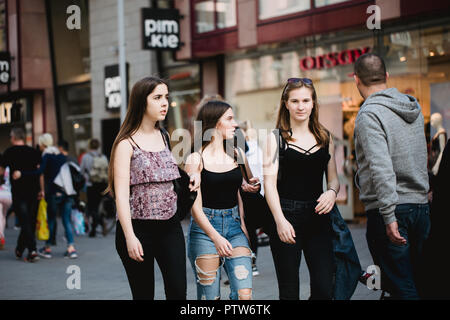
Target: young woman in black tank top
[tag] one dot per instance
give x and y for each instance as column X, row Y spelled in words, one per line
column 217, row 233
column 297, row 200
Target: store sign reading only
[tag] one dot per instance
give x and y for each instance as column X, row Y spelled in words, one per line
column 161, row 29
column 332, row 59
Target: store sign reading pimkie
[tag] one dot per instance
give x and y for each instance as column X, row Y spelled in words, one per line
column 332, row 59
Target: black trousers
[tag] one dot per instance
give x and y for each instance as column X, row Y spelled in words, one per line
column 162, row 240
column 94, row 196
column 315, row 238
column 25, row 208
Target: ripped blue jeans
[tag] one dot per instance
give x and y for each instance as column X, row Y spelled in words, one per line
column 238, row 268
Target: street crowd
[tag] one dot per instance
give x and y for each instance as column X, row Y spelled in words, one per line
column 233, row 189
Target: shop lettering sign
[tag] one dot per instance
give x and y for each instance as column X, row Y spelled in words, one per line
column 112, row 84
column 332, row 59
column 5, row 112
column 160, row 29
column 5, row 68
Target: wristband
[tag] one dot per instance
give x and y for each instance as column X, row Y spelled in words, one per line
column 332, row 190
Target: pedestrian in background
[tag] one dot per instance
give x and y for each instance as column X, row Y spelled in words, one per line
column 141, row 178
column 299, row 204
column 391, row 154
column 217, row 233
column 25, row 192
column 58, row 201
column 253, row 204
column 5, row 203
column 94, row 166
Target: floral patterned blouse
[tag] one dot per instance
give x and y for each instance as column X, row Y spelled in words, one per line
column 152, row 195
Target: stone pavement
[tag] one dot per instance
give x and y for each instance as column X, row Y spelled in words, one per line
column 103, row 276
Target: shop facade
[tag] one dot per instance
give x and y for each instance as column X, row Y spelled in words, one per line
column 264, row 44
column 26, row 87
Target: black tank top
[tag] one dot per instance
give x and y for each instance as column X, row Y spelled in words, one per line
column 219, row 189
column 302, row 174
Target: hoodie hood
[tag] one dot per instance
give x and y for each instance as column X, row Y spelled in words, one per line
column 405, row 106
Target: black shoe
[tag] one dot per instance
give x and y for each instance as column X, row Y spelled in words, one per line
column 18, row 254
column 92, row 234
column 32, row 257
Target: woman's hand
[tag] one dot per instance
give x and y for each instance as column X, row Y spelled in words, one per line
column 134, row 248
column 16, row 175
column 223, row 246
column 285, row 231
column 253, row 186
column 194, row 182
column 326, row 202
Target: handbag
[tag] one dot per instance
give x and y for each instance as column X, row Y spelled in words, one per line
column 185, row 197
column 257, row 211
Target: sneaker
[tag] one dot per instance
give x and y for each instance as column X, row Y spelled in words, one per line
column 366, row 276
column 45, row 252
column 255, row 271
column 2, row 243
column 18, row 254
column 227, row 282
column 32, row 257
column 71, row 255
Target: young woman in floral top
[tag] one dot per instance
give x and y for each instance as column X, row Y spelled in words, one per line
column 141, row 177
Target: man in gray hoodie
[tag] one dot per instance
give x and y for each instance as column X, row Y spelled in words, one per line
column 391, row 154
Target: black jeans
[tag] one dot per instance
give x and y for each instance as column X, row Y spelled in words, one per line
column 25, row 208
column 399, row 264
column 94, row 196
column 162, row 240
column 315, row 238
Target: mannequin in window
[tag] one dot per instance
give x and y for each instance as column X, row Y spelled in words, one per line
column 437, row 142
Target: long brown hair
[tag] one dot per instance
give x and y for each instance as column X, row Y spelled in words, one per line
column 209, row 115
column 137, row 106
column 283, row 120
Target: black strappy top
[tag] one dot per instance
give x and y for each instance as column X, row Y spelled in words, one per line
column 219, row 189
column 302, row 174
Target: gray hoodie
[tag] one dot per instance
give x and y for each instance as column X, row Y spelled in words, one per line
column 391, row 152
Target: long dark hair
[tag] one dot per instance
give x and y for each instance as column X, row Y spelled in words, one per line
column 284, row 122
column 137, row 106
column 209, row 115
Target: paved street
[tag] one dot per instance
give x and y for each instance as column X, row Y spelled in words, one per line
column 103, row 276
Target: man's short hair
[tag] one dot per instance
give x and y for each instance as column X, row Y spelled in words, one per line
column 63, row 144
column 18, row 133
column 370, row 69
column 94, row 144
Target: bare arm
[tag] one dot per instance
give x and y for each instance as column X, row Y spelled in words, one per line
column 121, row 162
column 270, row 169
column 327, row 199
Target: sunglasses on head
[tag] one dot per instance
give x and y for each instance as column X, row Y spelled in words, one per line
column 304, row 80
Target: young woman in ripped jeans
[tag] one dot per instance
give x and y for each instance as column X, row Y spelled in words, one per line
column 217, row 233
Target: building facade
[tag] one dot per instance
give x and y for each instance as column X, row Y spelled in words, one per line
column 26, row 86
column 247, row 49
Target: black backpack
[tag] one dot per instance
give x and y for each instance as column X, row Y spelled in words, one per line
column 185, row 198
column 78, row 179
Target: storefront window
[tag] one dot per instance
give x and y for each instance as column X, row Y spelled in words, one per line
column 270, row 8
column 226, row 13
column 215, row 14
column 322, row 3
